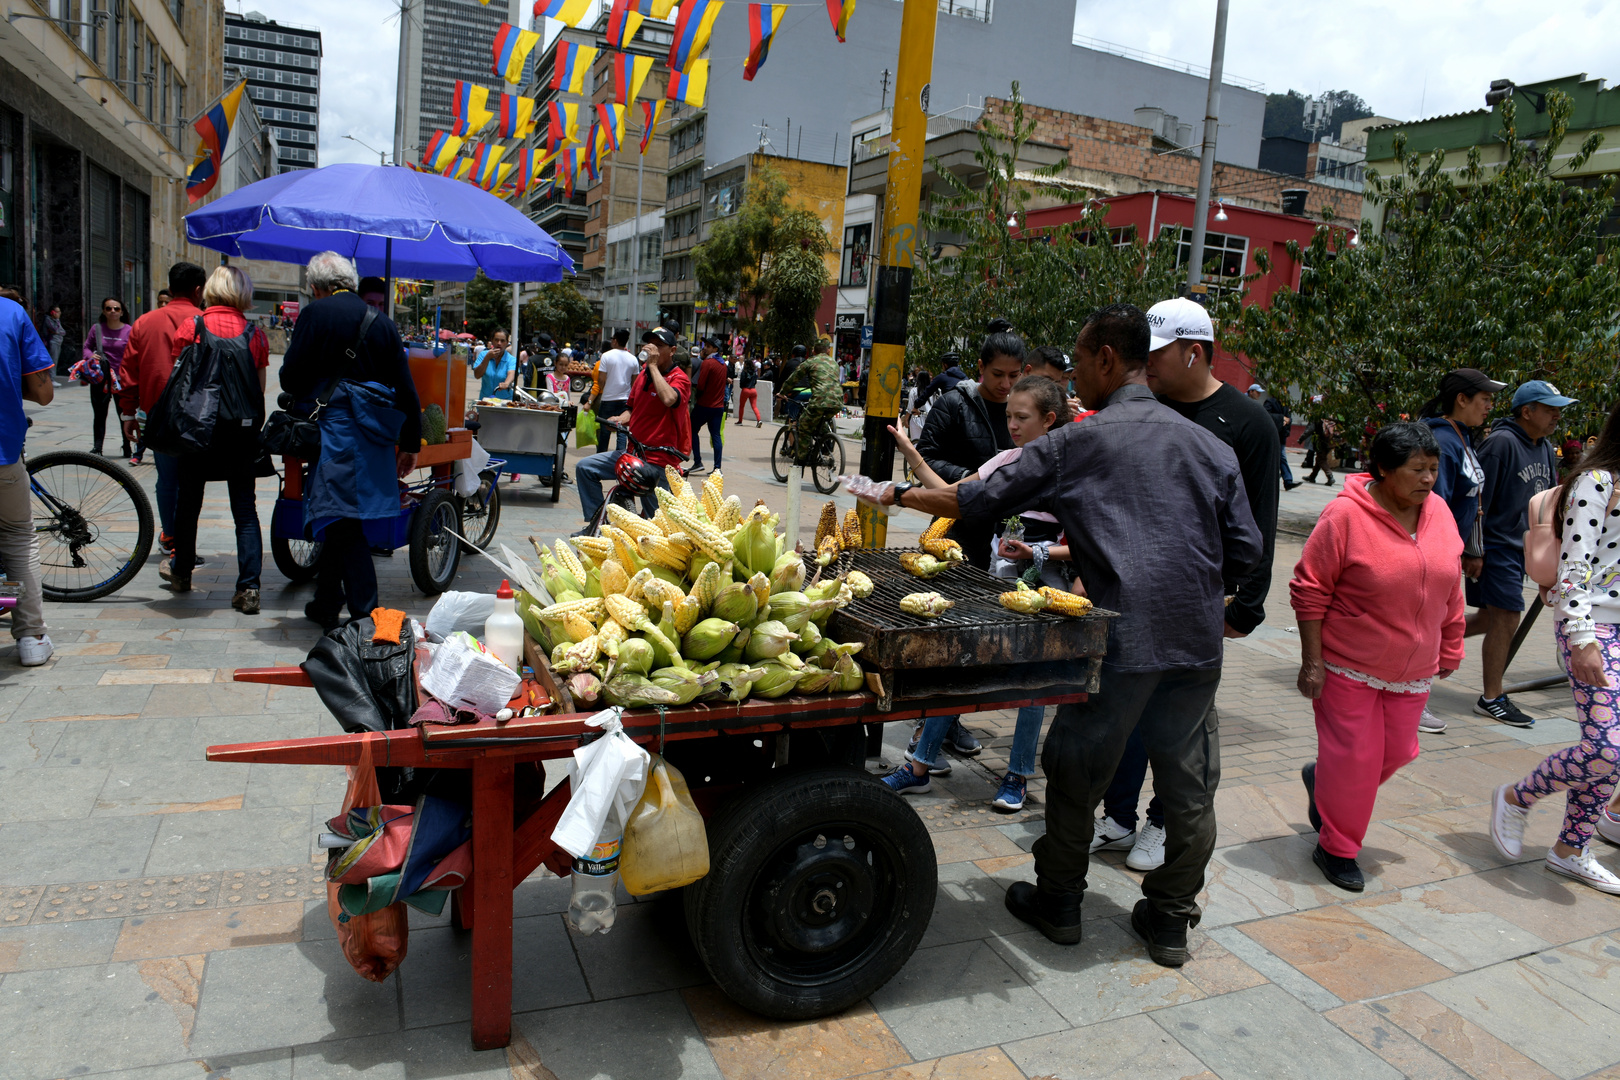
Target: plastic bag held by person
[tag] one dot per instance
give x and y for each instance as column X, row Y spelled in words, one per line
column 373, row 944
column 611, row 770
column 870, row 491
column 665, row 843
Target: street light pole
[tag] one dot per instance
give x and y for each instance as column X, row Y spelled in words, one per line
column 382, row 158
column 1206, row 163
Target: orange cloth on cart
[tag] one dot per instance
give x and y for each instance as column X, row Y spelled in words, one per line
column 386, row 623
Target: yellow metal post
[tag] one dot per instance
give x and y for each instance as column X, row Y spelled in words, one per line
column 901, row 201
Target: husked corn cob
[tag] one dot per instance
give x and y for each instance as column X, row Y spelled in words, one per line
column 687, row 613
column 919, row 564
column 1024, row 600
column 614, row 577
column 927, row 605
column 701, row 532
column 707, row 586
column 637, row 589
column 859, row 584
column 850, row 536
column 592, row 607
column 578, row 626
column 656, row 591
column 760, row 586
column 712, row 494
column 730, row 515
column 568, row 560
column 938, row 528
column 661, row 519
column 945, row 550
column 594, row 548
column 624, row 548
column 611, row 636
column 632, row 524
column 677, row 482
column 828, row 523
column 662, row 551
column 1059, row 602
column 630, row 614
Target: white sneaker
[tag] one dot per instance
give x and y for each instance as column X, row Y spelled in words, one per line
column 1148, row 853
column 34, row 651
column 1608, row 825
column 1431, row 723
column 1111, row 836
column 1584, row 868
column 1507, row 824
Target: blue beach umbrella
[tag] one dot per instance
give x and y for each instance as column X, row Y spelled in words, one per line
column 391, row 221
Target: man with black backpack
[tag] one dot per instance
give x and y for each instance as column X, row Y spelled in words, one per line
column 350, row 358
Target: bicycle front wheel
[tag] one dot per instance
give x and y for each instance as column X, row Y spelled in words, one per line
column 829, row 464
column 781, row 456
column 93, row 522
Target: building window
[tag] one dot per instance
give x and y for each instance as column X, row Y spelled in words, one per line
column 1224, row 256
column 168, row 70
column 177, row 9
column 857, row 246
column 978, row 10
column 151, row 77
column 115, row 42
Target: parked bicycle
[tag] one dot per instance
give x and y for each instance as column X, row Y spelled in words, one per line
column 826, row 457
column 93, row 521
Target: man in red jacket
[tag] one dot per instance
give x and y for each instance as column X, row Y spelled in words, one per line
column 709, row 398
column 148, row 359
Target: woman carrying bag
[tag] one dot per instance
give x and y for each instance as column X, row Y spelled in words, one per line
column 103, row 353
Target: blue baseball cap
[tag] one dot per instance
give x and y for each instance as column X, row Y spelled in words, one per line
column 1540, row 392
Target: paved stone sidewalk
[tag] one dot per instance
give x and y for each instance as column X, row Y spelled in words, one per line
column 161, row 917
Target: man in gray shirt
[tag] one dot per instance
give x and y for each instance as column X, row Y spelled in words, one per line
column 1159, row 529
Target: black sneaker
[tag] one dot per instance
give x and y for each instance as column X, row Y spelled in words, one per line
column 328, row 620
column 1308, row 775
column 960, row 741
column 1345, row 873
column 1291, row 485
column 1166, row 937
column 1504, row 711
column 1057, row 915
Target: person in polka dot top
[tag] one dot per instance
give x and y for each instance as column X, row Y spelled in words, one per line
column 1587, row 601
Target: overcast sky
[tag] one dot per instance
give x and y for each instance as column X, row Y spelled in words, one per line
column 1407, row 58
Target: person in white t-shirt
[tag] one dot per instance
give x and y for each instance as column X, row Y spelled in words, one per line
column 618, row 369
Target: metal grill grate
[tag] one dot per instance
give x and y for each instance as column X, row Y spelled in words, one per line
column 974, row 591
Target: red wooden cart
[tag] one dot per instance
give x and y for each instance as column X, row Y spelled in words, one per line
column 821, row 880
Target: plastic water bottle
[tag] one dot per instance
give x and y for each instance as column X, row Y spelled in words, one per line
column 503, row 630
column 593, row 905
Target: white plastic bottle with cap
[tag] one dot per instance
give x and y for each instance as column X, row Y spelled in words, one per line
column 503, row 630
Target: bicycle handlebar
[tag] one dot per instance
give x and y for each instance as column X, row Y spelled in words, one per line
column 641, row 448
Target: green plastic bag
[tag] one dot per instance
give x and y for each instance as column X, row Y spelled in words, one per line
column 585, row 429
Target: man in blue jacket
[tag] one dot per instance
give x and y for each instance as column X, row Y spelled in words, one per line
column 1519, row 461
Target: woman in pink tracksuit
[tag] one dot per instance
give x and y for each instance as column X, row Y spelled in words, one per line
column 1380, row 611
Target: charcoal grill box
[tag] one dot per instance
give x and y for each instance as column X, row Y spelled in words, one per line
column 977, row 647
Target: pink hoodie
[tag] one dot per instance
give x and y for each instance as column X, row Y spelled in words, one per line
column 1390, row 606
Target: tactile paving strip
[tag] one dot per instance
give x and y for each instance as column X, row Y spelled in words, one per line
column 79, row 901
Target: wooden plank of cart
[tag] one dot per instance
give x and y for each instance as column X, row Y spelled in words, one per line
column 821, row 880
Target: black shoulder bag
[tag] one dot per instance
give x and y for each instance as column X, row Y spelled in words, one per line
column 295, row 435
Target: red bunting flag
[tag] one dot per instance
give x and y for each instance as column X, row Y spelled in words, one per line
column 839, row 12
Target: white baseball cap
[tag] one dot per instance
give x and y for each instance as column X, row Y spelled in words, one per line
column 1178, row 320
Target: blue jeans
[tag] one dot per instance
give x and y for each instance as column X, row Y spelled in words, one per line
column 715, row 419
column 932, row 740
column 192, row 484
column 1026, row 735
column 593, row 471
column 1287, row 473
column 1119, row 801
column 168, row 489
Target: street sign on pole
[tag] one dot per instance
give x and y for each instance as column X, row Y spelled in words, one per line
column 902, row 197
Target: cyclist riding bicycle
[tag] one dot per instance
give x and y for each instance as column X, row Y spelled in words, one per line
column 820, row 375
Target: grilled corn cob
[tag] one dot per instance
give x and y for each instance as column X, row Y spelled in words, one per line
column 1059, row 602
column 919, row 564
column 927, row 605
column 827, row 549
column 849, row 537
column 859, row 584
column 615, row 579
column 568, row 560
column 662, row 551
column 1024, row 600
column 938, row 528
column 712, row 495
column 945, row 550
column 828, row 524
column 632, row 524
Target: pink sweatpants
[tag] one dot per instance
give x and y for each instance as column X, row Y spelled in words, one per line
column 1363, row 736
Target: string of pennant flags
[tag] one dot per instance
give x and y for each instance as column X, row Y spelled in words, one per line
column 513, row 116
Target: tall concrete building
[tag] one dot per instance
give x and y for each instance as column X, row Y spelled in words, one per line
column 282, row 63
column 441, row 41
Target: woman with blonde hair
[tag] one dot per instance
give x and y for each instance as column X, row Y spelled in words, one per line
column 223, row 325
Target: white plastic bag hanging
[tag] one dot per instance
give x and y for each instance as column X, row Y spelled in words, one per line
column 467, row 470
column 610, row 771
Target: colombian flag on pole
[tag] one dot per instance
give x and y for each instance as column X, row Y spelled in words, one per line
column 470, row 104
column 763, row 19
column 573, row 63
column 612, row 118
column 512, row 48
column 214, row 131
column 623, row 22
column 516, row 115
column 629, row 72
column 690, row 86
column 572, row 12
column 563, row 121
column 692, row 30
column 839, row 12
column 441, row 150
column 649, row 121
column 660, row 8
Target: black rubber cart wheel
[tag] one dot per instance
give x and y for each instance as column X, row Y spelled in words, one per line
column 435, row 551
column 557, row 471
column 295, row 557
column 820, row 886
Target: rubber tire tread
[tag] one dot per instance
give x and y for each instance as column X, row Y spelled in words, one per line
column 420, row 574
column 293, row 570
column 781, row 461
column 146, row 532
column 491, row 521
column 759, row 819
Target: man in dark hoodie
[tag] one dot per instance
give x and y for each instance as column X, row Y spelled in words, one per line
column 1519, row 461
column 945, row 380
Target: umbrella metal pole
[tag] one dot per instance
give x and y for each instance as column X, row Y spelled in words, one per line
column 388, row 275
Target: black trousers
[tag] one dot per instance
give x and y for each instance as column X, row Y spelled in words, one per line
column 100, row 399
column 1083, row 748
column 345, row 573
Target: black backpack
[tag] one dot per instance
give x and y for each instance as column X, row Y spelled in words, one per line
column 212, row 403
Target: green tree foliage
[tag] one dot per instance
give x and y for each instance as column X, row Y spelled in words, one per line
column 560, row 310
column 977, row 267
column 489, row 306
column 768, row 259
column 1500, row 267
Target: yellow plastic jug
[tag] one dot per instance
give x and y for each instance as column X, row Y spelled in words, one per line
column 665, row 843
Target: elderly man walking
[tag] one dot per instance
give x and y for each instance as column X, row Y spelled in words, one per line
column 1158, row 525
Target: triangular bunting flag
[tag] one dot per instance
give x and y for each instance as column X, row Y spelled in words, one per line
column 839, row 12
column 512, row 48
column 623, row 22
column 692, row 29
column 690, row 87
column 763, row 19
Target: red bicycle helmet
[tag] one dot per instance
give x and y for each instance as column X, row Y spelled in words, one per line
column 638, row 476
